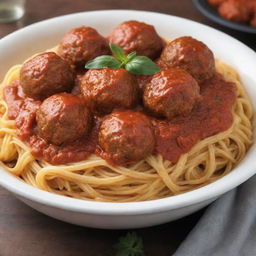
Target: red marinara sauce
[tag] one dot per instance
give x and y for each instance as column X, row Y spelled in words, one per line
column 23, row 110
column 211, row 115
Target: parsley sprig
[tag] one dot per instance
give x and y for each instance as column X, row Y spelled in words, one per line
column 137, row 65
column 129, row 245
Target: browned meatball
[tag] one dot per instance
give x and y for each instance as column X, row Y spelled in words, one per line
column 45, row 75
column 189, row 54
column 126, row 137
column 62, row 118
column 235, row 10
column 170, row 93
column 137, row 36
column 82, row 44
column 76, row 88
column 142, row 80
column 106, row 89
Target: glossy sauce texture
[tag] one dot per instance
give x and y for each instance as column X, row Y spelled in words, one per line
column 106, row 89
column 170, row 93
column 189, row 54
column 137, row 36
column 40, row 77
column 126, row 137
column 211, row 115
column 82, row 44
column 23, row 110
column 63, row 118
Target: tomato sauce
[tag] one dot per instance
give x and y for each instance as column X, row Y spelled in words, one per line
column 23, row 110
column 211, row 115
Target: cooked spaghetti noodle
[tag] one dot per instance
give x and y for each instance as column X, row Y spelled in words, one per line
column 151, row 178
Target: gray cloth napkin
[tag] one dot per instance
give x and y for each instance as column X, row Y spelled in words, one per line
column 228, row 227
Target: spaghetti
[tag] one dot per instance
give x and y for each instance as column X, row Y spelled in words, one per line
column 152, row 178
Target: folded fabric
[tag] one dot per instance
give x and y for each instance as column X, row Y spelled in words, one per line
column 228, row 227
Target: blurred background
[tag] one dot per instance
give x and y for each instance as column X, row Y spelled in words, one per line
column 36, row 10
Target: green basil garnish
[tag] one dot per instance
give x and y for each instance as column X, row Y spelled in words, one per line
column 142, row 65
column 118, row 52
column 131, row 55
column 103, row 61
column 137, row 65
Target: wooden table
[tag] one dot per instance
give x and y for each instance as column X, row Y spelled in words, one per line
column 25, row 232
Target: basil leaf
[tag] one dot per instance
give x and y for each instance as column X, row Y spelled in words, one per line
column 142, row 65
column 103, row 61
column 129, row 245
column 131, row 55
column 118, row 52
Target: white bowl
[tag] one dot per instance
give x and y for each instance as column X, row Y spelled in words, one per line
column 18, row 46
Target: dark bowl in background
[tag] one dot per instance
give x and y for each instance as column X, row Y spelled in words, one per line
column 211, row 13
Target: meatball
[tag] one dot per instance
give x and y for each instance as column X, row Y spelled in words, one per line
column 126, row 137
column 106, row 89
column 189, row 54
column 171, row 92
column 137, row 36
column 62, row 118
column 45, row 75
column 82, row 44
column 142, row 80
column 76, row 88
column 235, row 10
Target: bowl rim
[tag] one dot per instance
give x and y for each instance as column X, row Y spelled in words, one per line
column 208, row 192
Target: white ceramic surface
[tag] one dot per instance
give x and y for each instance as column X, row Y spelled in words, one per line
column 43, row 35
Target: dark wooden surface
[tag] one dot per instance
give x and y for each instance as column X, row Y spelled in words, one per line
column 25, row 232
